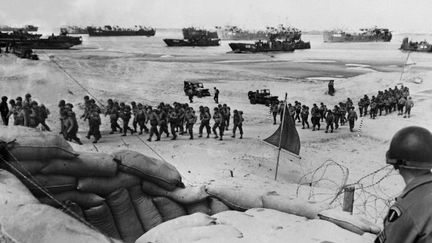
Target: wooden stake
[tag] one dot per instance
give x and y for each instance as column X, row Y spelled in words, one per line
column 348, row 202
column 280, row 138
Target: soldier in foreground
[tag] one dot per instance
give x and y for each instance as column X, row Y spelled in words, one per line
column 409, row 220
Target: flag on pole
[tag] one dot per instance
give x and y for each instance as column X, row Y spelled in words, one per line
column 286, row 136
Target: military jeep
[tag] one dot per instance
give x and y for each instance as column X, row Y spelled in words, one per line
column 262, row 97
column 196, row 87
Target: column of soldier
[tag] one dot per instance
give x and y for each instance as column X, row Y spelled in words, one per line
column 180, row 118
column 24, row 112
column 388, row 101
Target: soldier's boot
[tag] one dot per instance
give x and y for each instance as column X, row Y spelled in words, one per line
column 241, row 136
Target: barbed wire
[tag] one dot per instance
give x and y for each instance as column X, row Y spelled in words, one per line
column 371, row 197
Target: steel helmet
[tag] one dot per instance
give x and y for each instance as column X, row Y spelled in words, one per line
column 411, row 147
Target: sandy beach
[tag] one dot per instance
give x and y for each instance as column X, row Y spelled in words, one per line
column 153, row 78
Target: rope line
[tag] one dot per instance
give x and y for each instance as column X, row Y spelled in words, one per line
column 76, row 81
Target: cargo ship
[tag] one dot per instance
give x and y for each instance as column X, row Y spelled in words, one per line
column 35, row 41
column 195, row 37
column 76, row 30
column 108, row 30
column 280, row 39
column 235, row 33
column 365, row 35
column 422, row 46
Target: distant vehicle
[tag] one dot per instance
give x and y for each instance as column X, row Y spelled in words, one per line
column 24, row 52
column 262, row 97
column 422, row 46
column 195, row 37
column 109, row 30
column 196, row 87
column 365, row 35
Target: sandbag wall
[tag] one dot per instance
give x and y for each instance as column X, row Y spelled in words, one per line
column 126, row 194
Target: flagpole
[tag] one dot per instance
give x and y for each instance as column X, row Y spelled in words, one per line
column 280, row 137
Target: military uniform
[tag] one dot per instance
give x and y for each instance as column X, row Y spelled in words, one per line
column 409, row 220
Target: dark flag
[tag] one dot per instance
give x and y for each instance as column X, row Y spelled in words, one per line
column 288, row 139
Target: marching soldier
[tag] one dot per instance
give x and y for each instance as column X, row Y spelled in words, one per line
column 238, row 123
column 352, row 117
column 94, row 122
column 154, row 122
column 205, row 121
column 141, row 118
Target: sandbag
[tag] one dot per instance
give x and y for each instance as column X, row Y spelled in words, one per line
column 197, row 219
column 27, row 167
column 13, row 191
column 235, row 197
column 297, row 206
column 83, row 199
column 42, row 223
column 168, row 208
column 190, row 234
column 187, row 195
column 53, row 183
column 217, row 206
column 106, row 185
column 274, row 218
column 124, row 215
column 199, row 207
column 30, row 144
column 86, row 165
column 147, row 212
column 157, row 171
column 102, row 219
column 353, row 223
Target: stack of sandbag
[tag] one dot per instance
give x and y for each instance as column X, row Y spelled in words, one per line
column 24, row 219
column 126, row 194
column 242, row 198
column 254, row 225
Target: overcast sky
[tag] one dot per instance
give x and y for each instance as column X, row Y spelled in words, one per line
column 398, row 15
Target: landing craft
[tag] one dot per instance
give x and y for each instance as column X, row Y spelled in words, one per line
column 365, row 35
column 108, row 30
column 281, row 39
column 422, row 46
column 195, row 37
column 35, row 41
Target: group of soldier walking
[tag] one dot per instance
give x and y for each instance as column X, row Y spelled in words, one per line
column 388, row 101
column 24, row 112
column 172, row 120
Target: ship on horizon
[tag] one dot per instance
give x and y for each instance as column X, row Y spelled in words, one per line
column 76, row 30
column 279, row 39
column 27, row 28
column 109, row 30
column 195, row 37
column 365, row 35
column 36, row 41
column 232, row 32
